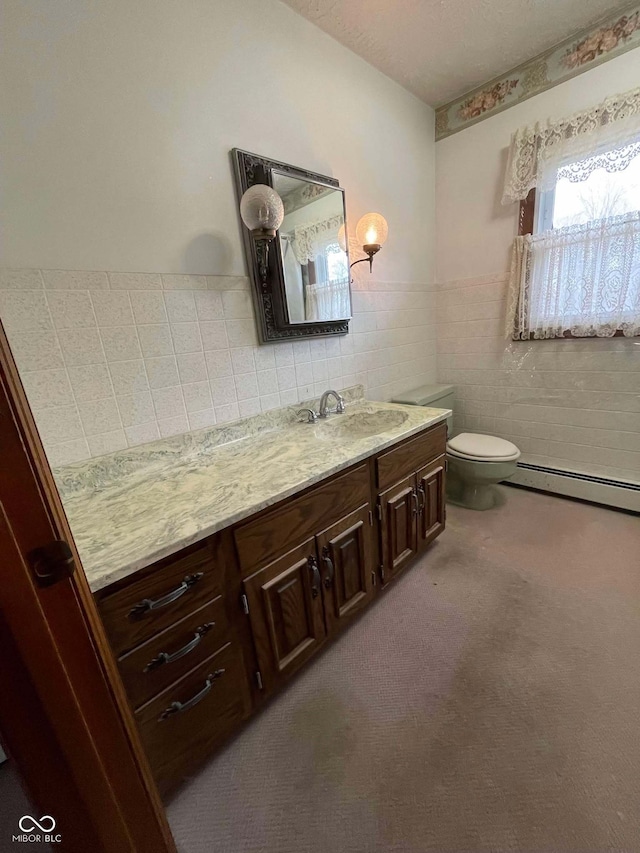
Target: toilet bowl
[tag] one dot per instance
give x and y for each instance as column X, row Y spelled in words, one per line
column 476, row 462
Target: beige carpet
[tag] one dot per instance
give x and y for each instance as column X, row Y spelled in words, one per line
column 489, row 701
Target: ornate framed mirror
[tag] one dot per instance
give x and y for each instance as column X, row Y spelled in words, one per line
column 303, row 291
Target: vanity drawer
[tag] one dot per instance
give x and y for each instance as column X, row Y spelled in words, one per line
column 166, row 657
column 401, row 461
column 171, row 591
column 215, row 698
column 261, row 541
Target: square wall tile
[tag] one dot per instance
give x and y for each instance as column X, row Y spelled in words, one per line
column 99, row 416
column 242, row 360
column 173, row 426
column 59, row 424
column 246, row 386
column 155, row 340
column 203, row 419
column 214, row 335
column 112, row 308
column 47, row 388
column 209, row 305
column 184, row 282
column 24, row 311
column 142, row 434
column 68, row 452
column 120, row 343
column 136, row 409
column 148, row 306
column 91, row 382
column 286, row 377
column 162, row 372
column 128, row 377
column 71, row 309
column 241, row 333
column 218, row 364
column 168, row 403
column 226, row 413
column 181, row 306
column 191, row 367
column 249, row 408
column 283, row 355
column 267, row 382
column 35, row 350
column 107, row 442
column 186, row 337
column 237, row 305
column 197, row 397
column 81, row 346
column 264, row 357
column 223, row 391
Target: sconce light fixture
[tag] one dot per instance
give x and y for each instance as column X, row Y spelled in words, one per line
column 262, row 211
column 371, row 232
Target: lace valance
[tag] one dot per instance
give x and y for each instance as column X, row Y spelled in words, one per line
column 538, row 153
column 306, row 238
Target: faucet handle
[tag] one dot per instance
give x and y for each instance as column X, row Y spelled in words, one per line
column 312, row 417
column 340, row 406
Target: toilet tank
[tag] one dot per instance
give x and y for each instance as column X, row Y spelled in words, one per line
column 434, row 396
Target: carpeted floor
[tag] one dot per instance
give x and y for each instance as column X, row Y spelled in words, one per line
column 489, row 701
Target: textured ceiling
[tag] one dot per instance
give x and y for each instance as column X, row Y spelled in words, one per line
column 441, row 49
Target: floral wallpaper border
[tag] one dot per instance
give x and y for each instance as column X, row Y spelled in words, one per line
column 608, row 38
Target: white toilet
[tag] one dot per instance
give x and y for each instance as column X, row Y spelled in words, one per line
column 476, row 462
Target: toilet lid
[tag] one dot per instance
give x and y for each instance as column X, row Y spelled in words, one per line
column 482, row 447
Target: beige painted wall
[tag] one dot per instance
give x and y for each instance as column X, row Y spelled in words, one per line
column 119, row 121
column 573, row 405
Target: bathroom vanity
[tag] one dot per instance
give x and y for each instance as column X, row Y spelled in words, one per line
column 222, row 564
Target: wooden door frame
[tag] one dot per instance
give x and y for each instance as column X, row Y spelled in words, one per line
column 65, row 719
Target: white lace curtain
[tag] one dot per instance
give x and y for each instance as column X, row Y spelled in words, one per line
column 328, row 301
column 584, row 279
column 581, row 279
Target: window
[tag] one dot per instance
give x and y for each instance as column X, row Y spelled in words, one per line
column 576, row 262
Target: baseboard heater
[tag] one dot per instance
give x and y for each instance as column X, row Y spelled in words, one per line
column 601, row 490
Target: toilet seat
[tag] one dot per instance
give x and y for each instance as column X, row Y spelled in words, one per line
column 482, row 448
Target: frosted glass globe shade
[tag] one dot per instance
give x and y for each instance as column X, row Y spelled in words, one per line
column 372, row 229
column 261, row 208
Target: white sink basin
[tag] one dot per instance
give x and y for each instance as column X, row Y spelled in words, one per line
column 358, row 424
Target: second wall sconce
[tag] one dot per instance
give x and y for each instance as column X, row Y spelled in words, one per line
column 371, row 232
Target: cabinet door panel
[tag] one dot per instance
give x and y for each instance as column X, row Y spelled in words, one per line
column 431, row 493
column 346, row 564
column 399, row 506
column 286, row 613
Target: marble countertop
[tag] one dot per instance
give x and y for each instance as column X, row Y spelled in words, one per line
column 132, row 508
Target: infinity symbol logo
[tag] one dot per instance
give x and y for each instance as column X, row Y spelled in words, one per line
column 45, row 824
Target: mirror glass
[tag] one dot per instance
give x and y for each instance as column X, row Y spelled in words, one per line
column 313, row 249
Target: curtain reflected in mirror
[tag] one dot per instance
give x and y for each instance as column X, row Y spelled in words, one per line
column 313, row 250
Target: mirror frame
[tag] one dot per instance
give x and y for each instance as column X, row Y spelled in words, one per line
column 270, row 299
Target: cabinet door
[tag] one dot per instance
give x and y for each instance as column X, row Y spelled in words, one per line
column 345, row 556
column 286, row 613
column 398, row 506
column 431, row 499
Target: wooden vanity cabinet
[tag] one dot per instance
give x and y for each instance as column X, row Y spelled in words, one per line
column 203, row 636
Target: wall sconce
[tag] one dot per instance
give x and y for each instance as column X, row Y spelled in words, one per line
column 371, row 232
column 262, row 211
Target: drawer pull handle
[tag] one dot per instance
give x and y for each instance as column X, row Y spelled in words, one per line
column 326, row 559
column 165, row 657
column 414, row 498
column 315, row 575
column 180, row 707
column 148, row 604
column 423, row 499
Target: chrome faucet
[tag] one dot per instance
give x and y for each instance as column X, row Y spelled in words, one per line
column 324, row 408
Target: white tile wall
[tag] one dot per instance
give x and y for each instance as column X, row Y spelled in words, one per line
column 569, row 404
column 111, row 360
